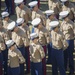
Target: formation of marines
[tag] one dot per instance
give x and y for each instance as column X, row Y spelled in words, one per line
column 52, row 33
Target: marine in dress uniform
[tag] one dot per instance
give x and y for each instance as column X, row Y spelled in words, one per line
column 2, row 48
column 37, row 54
column 36, row 12
column 5, row 36
column 44, row 38
column 22, row 11
column 58, row 45
column 55, row 5
column 50, row 17
column 68, row 6
column 19, row 37
column 6, row 21
column 20, row 22
column 67, row 28
column 14, row 58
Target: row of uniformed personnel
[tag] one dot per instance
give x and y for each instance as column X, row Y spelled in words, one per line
column 17, row 44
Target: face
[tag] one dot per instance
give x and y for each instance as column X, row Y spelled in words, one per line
column 66, row 19
column 56, row 29
column 66, row 3
column 22, row 5
column 35, row 40
column 12, row 47
column 39, row 26
column 7, row 18
column 16, row 29
column 52, row 16
column 35, row 8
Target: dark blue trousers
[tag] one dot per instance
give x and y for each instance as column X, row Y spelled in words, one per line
column 10, row 6
column 36, row 68
column 5, row 58
column 68, row 54
column 14, row 71
column 27, row 58
column 57, row 62
column 21, row 69
column 49, row 53
column 44, row 61
column 1, row 61
column 22, row 49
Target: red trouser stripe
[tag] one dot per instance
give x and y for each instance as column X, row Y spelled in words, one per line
column 44, row 62
column 28, row 55
column 1, row 69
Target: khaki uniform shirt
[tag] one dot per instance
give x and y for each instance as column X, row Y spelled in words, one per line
column 47, row 23
column 5, row 25
column 15, row 58
column 67, row 28
column 39, row 14
column 28, row 11
column 2, row 44
column 54, row 5
column 20, row 38
column 44, row 37
column 58, row 42
column 27, row 33
column 23, row 13
column 36, row 53
column 71, row 9
column 4, row 34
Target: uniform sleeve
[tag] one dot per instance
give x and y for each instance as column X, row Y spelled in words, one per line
column 19, row 41
column 59, row 6
column 28, row 33
column 29, row 15
column 71, row 28
column 47, row 24
column 47, row 36
column 49, row 4
column 33, row 15
column 14, row 37
column 28, row 11
column 41, row 50
column 73, row 8
column 43, row 18
column 64, row 42
column 31, row 51
column 2, row 46
column 21, row 58
column 26, row 18
column 61, row 29
column 17, row 13
column 6, row 37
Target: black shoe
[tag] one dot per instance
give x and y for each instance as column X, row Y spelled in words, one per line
column 71, row 74
column 27, row 72
column 5, row 73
